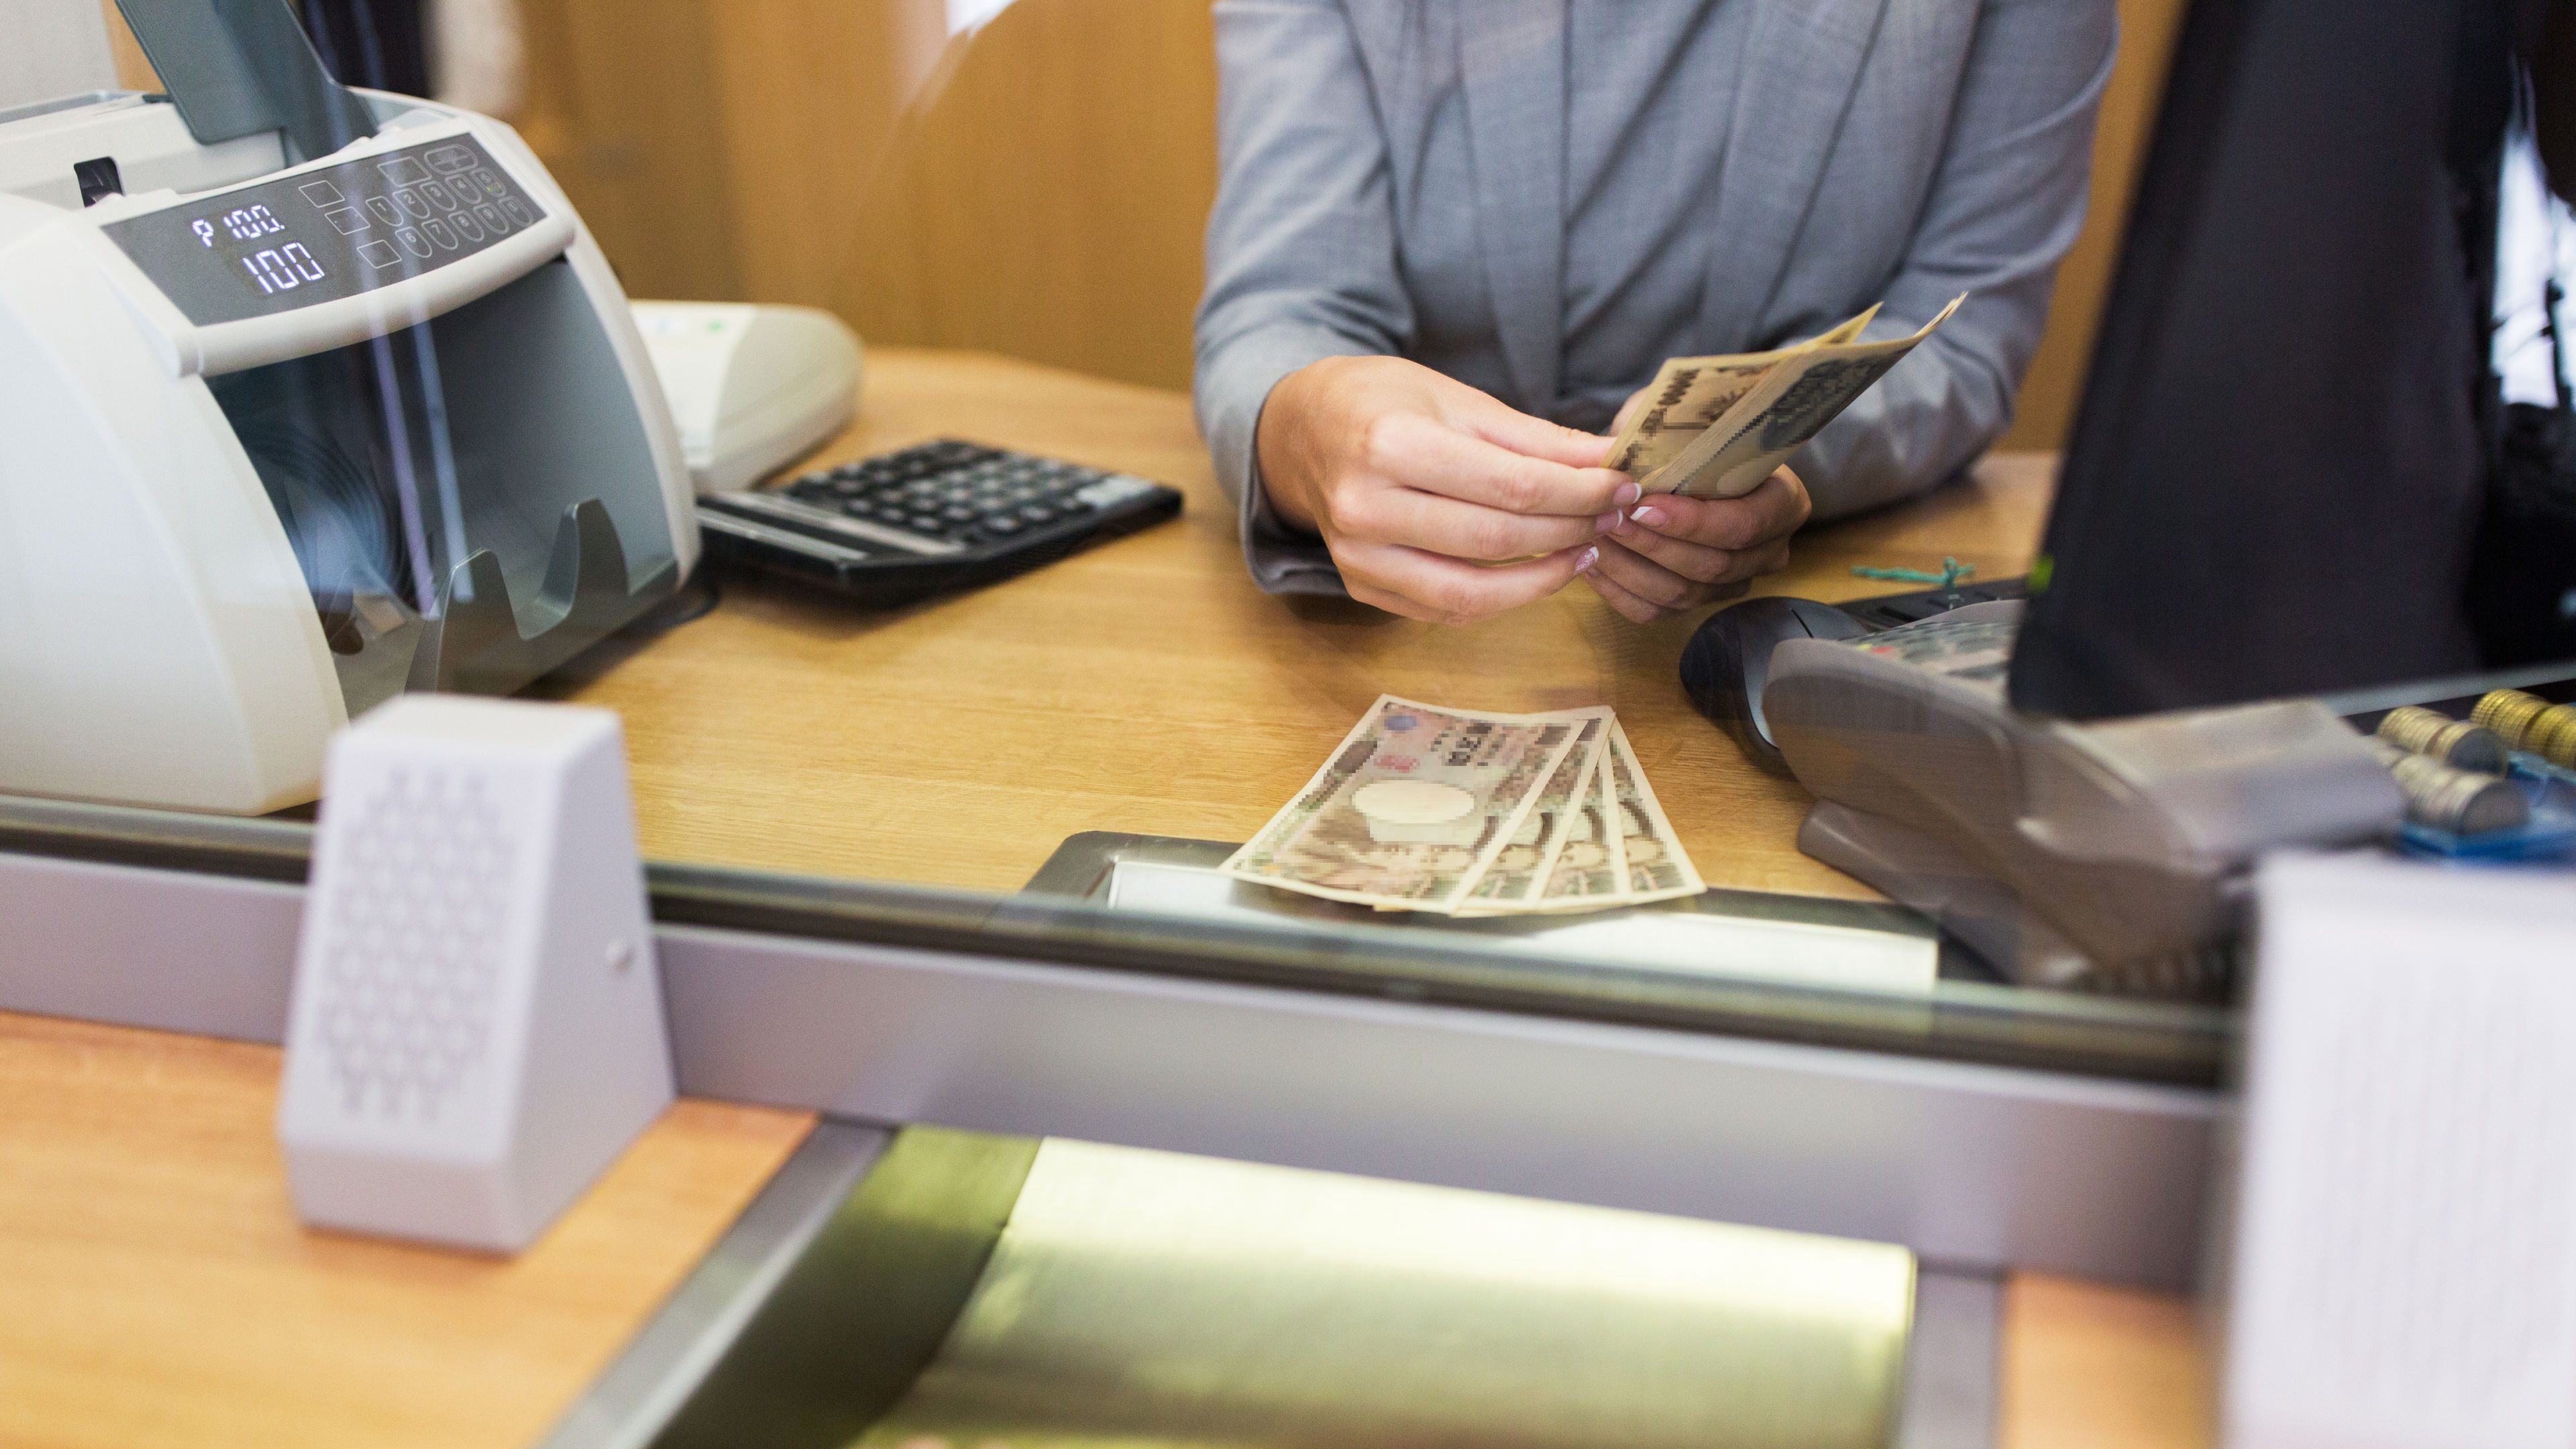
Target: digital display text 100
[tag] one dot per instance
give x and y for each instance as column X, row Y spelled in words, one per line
column 278, row 245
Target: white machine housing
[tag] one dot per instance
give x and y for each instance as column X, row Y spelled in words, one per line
column 162, row 641
column 477, row 1029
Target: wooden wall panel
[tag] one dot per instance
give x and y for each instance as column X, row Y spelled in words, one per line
column 2055, row 384
column 813, row 93
column 1048, row 194
column 133, row 71
column 625, row 107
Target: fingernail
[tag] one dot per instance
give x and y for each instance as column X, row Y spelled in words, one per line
column 1590, row 555
column 1607, row 522
column 1628, row 493
column 1651, row 517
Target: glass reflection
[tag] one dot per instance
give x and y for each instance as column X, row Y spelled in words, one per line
column 1009, row 204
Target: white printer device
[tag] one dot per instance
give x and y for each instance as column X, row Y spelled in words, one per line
column 309, row 397
column 751, row 387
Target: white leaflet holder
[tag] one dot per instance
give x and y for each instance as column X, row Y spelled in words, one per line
column 2400, row 1272
column 477, row 1029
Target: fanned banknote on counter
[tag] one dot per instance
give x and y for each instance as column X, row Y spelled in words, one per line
column 1430, row 809
column 1715, row 427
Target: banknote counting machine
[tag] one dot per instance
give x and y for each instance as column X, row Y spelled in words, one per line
column 311, row 396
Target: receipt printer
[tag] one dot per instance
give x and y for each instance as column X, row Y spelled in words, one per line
column 308, row 397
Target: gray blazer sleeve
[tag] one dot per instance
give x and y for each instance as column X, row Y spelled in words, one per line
column 2005, row 205
column 1300, row 247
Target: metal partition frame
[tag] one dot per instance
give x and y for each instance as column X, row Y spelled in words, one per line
column 1981, row 1167
column 1975, row 1166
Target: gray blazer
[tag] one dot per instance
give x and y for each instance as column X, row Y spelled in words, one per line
column 1392, row 179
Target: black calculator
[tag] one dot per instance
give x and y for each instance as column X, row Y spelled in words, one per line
column 943, row 516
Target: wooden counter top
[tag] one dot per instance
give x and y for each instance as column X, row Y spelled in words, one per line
column 155, row 1287
column 1146, row 685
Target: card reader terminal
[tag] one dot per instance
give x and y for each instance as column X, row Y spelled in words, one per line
column 2109, row 855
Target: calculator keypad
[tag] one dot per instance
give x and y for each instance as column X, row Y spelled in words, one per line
column 956, row 492
column 946, row 515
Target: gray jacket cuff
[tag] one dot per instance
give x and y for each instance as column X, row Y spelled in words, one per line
column 1233, row 387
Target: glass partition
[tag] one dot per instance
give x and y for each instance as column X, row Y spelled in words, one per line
column 1045, row 752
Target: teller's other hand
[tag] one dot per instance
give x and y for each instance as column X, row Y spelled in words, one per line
column 1436, row 500
column 1673, row 553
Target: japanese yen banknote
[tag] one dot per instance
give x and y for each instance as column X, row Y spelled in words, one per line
column 1430, row 809
column 1715, row 427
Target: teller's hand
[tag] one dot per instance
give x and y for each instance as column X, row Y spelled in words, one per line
column 1674, row 553
column 1436, row 500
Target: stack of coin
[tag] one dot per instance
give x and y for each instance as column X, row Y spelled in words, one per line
column 2456, row 743
column 2459, row 801
column 2528, row 722
column 2553, row 736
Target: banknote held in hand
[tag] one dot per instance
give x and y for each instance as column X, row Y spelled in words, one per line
column 1715, row 427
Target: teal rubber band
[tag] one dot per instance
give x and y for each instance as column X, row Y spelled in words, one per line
column 1951, row 572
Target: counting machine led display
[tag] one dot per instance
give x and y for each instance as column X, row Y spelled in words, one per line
column 319, row 235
